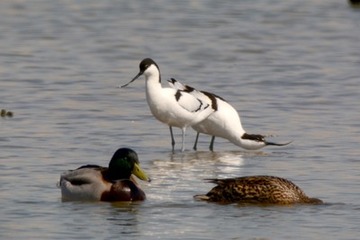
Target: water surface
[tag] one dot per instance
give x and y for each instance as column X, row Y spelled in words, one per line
column 291, row 69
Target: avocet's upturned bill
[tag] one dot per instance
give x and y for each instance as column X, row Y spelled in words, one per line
column 176, row 108
column 224, row 122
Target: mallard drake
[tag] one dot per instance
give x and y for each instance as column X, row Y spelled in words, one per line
column 256, row 190
column 113, row 183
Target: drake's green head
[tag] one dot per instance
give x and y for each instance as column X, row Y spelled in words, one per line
column 125, row 162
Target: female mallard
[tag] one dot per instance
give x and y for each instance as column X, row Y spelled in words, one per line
column 95, row 183
column 256, row 190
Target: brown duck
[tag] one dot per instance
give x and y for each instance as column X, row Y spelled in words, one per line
column 256, row 190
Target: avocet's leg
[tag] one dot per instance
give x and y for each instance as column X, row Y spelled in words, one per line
column 196, row 140
column 211, row 147
column 183, row 139
column 172, row 139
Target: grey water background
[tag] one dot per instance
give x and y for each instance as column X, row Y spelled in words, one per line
column 291, row 68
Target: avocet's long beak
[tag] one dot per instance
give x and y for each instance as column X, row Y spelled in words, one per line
column 277, row 144
column 138, row 75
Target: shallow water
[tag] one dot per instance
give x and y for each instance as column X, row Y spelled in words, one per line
column 291, row 69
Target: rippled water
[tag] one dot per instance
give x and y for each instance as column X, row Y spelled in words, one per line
column 291, row 68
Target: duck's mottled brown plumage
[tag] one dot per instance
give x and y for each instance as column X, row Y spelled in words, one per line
column 256, row 190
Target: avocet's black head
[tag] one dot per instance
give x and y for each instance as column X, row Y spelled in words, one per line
column 143, row 66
